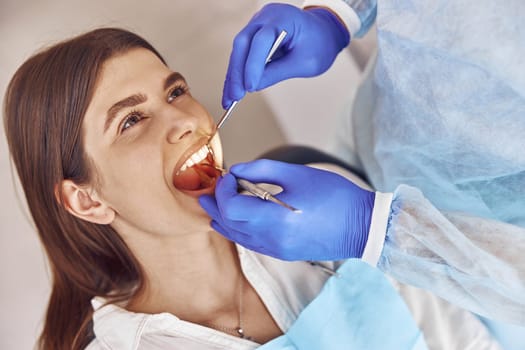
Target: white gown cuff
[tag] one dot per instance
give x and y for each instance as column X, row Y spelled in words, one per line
column 378, row 224
column 345, row 13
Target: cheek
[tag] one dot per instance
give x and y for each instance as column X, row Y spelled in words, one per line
column 133, row 171
column 136, row 190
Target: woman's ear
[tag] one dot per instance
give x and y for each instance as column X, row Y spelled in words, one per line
column 83, row 203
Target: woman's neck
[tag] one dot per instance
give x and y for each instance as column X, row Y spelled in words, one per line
column 192, row 276
column 198, row 279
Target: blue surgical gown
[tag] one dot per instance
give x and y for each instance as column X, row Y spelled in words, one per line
column 357, row 309
column 440, row 122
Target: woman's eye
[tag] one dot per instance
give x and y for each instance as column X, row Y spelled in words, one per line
column 131, row 120
column 176, row 92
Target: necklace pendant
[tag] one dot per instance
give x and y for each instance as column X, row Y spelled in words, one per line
column 240, row 332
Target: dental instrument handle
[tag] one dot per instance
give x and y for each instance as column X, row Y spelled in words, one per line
column 263, row 194
column 229, row 111
column 275, row 46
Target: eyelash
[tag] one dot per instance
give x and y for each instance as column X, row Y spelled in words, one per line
column 181, row 89
column 128, row 117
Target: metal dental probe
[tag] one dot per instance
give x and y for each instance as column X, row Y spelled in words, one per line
column 260, row 192
column 245, row 184
column 229, row 111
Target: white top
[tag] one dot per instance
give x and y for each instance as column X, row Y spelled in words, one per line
column 285, row 288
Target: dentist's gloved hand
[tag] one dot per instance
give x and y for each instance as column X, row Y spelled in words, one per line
column 334, row 222
column 314, row 38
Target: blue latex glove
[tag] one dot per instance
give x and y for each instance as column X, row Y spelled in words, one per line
column 333, row 224
column 314, row 38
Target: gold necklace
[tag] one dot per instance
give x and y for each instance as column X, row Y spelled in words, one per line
column 239, row 330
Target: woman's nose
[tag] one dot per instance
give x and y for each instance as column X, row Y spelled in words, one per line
column 180, row 126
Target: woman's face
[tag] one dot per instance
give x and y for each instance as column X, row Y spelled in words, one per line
column 140, row 129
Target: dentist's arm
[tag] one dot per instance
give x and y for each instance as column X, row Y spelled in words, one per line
column 472, row 262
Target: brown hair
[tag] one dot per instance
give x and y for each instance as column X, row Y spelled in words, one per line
column 45, row 105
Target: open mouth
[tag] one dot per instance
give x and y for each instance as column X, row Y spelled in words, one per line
column 198, row 174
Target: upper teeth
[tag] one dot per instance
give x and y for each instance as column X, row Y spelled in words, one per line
column 196, row 157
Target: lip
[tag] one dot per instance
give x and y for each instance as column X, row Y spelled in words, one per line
column 198, row 193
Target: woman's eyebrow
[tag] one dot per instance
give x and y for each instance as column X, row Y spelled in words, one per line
column 172, row 78
column 129, row 101
column 136, row 99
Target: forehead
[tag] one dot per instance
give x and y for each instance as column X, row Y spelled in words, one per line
column 137, row 71
column 125, row 73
